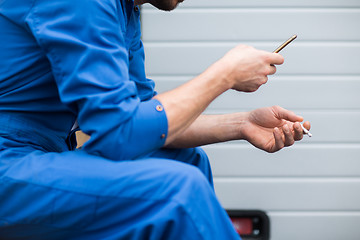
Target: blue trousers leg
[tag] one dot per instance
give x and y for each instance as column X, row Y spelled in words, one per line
column 74, row 195
column 193, row 156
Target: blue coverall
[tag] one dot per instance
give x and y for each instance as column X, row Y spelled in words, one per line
column 62, row 60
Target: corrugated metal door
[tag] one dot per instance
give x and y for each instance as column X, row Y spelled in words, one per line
column 311, row 190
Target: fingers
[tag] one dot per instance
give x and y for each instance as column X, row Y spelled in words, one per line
column 274, row 59
column 290, row 131
column 279, row 143
column 286, row 135
column 307, row 125
column 298, row 132
column 271, row 70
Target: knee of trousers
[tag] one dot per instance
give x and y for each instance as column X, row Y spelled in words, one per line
column 193, row 156
column 178, row 204
column 196, row 157
column 167, row 179
column 192, row 178
column 181, row 203
column 173, row 204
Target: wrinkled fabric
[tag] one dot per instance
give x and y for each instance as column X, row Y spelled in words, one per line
column 74, row 195
column 64, row 60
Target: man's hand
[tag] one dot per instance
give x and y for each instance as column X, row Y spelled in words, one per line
column 272, row 128
column 247, row 68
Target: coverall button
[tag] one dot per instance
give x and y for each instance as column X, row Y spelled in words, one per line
column 136, row 8
column 162, row 135
column 159, row 108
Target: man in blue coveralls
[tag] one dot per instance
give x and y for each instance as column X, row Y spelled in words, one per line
column 141, row 175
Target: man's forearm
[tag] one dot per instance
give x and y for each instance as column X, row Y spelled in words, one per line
column 208, row 129
column 184, row 104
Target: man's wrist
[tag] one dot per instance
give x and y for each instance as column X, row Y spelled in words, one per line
column 219, row 71
column 234, row 124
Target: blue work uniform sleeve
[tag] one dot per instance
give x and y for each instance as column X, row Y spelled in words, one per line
column 137, row 74
column 85, row 43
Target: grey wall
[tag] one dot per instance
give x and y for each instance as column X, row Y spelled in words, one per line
column 311, row 190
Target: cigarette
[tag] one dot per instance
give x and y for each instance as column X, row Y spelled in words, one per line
column 306, row 131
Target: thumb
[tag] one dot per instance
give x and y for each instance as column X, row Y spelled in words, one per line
column 282, row 113
column 277, row 58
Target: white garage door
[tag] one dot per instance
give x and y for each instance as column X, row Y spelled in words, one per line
column 311, row 190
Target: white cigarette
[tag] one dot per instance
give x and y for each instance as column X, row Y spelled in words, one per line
column 306, row 131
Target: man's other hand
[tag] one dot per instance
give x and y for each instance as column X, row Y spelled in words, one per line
column 272, row 128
